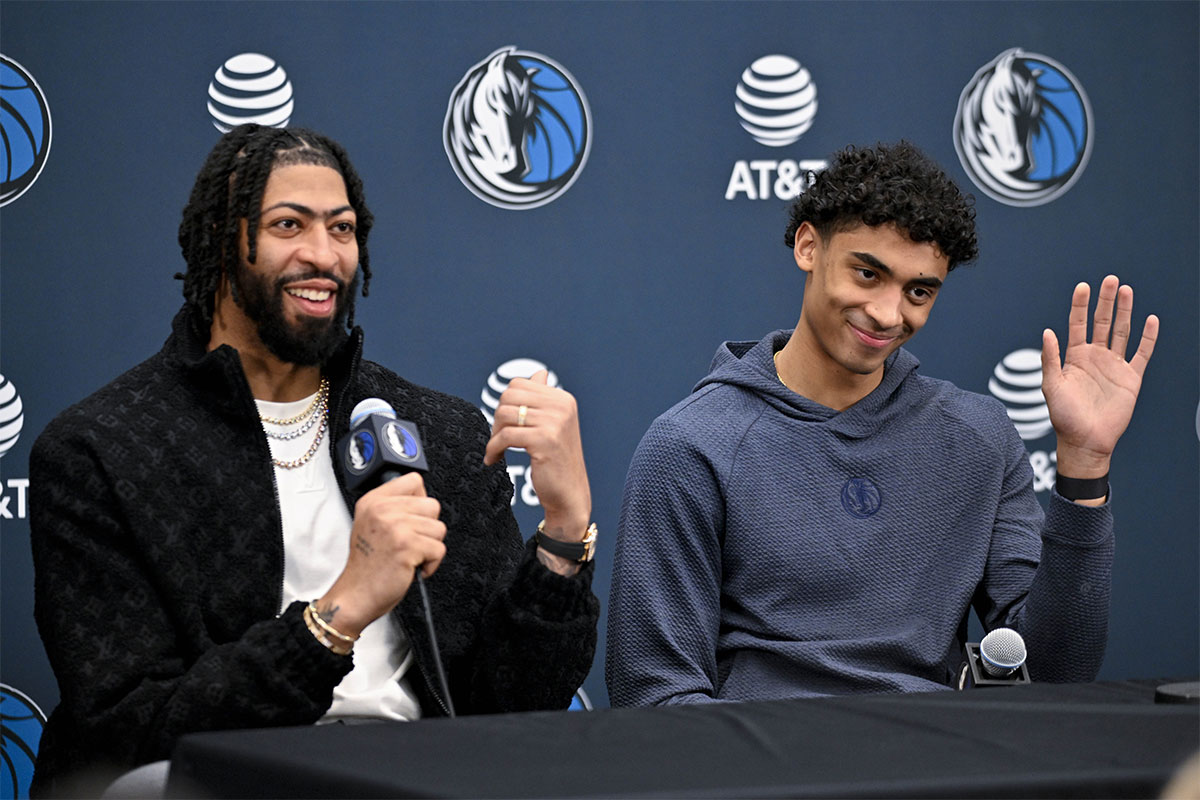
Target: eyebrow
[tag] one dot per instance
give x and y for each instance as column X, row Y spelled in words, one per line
column 875, row 263
column 308, row 212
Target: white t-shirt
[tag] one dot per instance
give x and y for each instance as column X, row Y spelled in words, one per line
column 316, row 542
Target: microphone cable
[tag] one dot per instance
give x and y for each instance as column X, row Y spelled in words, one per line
column 437, row 651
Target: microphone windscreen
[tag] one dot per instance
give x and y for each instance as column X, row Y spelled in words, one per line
column 369, row 406
column 1002, row 651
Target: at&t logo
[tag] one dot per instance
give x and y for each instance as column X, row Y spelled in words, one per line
column 1023, row 129
column 497, row 382
column 250, row 87
column 1017, row 383
column 25, row 126
column 518, row 129
column 776, row 102
column 12, row 419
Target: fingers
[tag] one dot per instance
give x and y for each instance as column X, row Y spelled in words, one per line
column 1102, row 324
column 410, row 483
column 549, row 412
column 1051, row 362
column 1077, row 320
column 1146, row 347
column 1123, row 322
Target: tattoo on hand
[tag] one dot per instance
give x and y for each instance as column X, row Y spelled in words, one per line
column 363, row 546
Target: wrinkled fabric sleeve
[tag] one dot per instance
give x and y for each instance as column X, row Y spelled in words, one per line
column 537, row 634
column 1049, row 576
column 665, row 604
column 128, row 684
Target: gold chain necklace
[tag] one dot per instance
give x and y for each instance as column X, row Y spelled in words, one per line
column 777, row 375
column 322, row 392
column 312, row 448
column 317, row 409
column 321, row 404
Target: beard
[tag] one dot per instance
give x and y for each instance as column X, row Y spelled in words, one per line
column 307, row 343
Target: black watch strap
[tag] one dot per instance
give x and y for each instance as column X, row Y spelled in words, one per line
column 1081, row 488
column 580, row 552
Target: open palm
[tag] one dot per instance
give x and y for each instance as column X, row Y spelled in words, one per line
column 1092, row 393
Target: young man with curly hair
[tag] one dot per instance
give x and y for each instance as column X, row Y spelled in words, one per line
column 819, row 518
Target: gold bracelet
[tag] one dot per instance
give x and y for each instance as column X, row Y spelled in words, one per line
column 329, row 629
column 310, row 621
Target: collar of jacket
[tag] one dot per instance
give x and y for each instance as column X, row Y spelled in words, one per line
column 219, row 375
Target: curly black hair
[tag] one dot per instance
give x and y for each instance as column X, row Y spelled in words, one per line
column 883, row 184
column 229, row 188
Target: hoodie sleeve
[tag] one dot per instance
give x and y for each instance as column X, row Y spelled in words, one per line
column 1056, row 596
column 664, row 607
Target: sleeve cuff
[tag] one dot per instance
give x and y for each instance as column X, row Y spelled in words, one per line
column 1079, row 525
column 548, row 595
column 318, row 669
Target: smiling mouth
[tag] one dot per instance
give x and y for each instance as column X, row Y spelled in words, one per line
column 315, row 295
column 872, row 340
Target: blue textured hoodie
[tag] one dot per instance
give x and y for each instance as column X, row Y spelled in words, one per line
column 772, row 547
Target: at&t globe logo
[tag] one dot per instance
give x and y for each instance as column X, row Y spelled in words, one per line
column 1017, row 383
column 497, row 382
column 776, row 102
column 1023, row 129
column 250, row 87
column 518, row 129
column 12, row 416
column 25, row 126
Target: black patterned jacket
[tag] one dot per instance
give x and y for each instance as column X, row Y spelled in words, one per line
column 158, row 556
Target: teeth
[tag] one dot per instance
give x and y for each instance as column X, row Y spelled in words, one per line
column 316, row 295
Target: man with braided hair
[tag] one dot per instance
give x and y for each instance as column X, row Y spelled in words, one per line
column 199, row 563
column 819, row 518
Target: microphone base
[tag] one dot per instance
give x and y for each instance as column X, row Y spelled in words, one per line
column 975, row 675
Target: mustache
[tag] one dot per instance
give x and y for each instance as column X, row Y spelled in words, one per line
column 308, row 275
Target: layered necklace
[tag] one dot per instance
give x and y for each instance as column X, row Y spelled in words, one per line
column 317, row 414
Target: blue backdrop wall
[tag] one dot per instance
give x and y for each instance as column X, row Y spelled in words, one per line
column 658, row 232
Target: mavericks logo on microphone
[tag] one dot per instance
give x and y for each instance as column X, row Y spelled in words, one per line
column 360, row 452
column 401, row 441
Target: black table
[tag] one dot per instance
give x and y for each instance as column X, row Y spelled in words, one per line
column 1040, row 740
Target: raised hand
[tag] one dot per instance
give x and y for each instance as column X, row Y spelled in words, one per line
column 1091, row 395
column 545, row 422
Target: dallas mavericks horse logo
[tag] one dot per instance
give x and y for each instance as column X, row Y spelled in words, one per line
column 1023, row 129
column 518, row 129
column 24, row 128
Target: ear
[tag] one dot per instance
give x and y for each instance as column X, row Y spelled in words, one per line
column 808, row 243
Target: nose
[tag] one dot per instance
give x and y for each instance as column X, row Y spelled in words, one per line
column 319, row 249
column 885, row 311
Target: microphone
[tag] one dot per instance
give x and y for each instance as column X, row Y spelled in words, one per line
column 1002, row 652
column 379, row 448
column 998, row 660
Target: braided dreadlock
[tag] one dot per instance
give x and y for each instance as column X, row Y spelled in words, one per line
column 230, row 187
